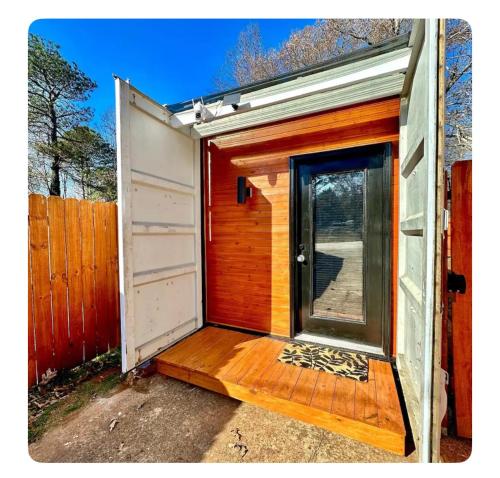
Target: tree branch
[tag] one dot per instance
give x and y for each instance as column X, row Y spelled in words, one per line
column 456, row 77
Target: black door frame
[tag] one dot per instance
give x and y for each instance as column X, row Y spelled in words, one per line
column 294, row 162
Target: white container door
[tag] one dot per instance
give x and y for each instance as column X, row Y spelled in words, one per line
column 159, row 228
column 417, row 246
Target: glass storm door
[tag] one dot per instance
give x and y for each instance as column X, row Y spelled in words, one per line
column 341, row 251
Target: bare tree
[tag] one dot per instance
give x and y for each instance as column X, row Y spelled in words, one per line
column 325, row 39
column 458, row 91
column 247, row 62
column 107, row 127
column 38, row 171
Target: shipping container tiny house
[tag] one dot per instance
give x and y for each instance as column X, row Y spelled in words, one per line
column 304, row 208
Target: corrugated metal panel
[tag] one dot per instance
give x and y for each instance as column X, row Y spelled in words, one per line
column 417, row 234
column 160, row 228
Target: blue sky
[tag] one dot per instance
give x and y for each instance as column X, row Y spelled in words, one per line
column 170, row 60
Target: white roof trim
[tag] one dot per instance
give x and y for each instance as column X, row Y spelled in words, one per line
column 383, row 87
column 347, row 84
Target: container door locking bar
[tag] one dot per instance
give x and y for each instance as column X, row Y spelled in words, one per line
column 456, row 282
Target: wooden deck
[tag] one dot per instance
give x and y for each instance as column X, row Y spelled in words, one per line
column 245, row 367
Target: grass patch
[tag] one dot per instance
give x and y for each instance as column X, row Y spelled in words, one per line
column 73, row 407
column 38, row 426
column 81, row 385
column 89, row 390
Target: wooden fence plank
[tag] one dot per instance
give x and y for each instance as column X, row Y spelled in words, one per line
column 32, row 378
column 101, row 284
column 39, row 244
column 461, row 263
column 74, row 266
column 113, row 288
column 58, row 278
column 88, row 278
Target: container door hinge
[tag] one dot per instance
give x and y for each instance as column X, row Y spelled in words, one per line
column 446, row 218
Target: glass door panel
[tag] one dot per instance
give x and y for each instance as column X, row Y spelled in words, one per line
column 338, row 235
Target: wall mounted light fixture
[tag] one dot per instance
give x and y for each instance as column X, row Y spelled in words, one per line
column 242, row 190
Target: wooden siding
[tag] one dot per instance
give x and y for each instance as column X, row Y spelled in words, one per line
column 73, row 308
column 245, row 367
column 247, row 245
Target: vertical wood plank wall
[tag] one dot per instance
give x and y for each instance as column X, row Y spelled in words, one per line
column 247, row 245
column 461, row 263
column 73, row 303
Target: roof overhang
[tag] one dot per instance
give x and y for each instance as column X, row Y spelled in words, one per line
column 342, row 84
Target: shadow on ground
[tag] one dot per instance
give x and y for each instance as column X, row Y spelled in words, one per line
column 160, row 419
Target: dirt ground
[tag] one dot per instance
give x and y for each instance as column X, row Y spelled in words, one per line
column 158, row 419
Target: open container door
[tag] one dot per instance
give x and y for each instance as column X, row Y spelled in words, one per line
column 159, row 228
column 416, row 334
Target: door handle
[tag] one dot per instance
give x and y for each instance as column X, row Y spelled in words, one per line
column 301, row 258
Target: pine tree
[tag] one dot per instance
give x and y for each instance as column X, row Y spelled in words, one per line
column 56, row 90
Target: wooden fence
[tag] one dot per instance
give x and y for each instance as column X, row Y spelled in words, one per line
column 461, row 263
column 73, row 294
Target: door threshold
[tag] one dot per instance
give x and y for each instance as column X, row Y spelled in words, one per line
column 343, row 344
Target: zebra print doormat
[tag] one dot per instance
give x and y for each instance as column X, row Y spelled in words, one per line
column 326, row 359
